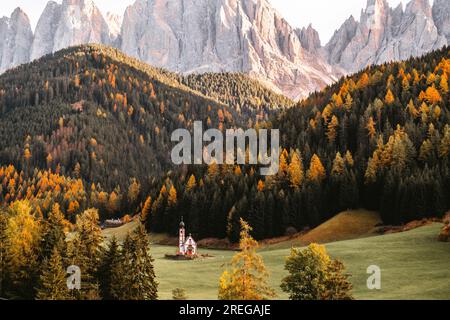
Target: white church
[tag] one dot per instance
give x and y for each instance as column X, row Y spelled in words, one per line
column 186, row 247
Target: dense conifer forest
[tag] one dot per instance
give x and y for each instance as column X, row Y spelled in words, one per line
column 89, row 127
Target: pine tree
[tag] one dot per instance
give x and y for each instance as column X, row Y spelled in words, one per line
column 53, row 281
column 248, row 278
column 54, row 235
column 134, row 277
column 109, row 265
column 85, row 251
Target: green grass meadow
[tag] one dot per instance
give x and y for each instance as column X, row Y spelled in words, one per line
column 414, row 265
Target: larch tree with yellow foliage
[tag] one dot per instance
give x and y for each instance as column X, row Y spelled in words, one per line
column 332, row 129
column 191, row 183
column 296, row 171
column 432, row 95
column 389, row 98
column 146, row 209
column 371, row 130
column 248, row 277
column 23, row 233
column 316, row 172
column 172, row 199
column 443, row 84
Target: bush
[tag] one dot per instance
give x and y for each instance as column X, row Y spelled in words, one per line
column 313, row 275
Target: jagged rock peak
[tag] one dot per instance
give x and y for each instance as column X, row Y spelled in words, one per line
column 225, row 35
column 309, row 38
column 441, row 17
column 385, row 34
column 16, row 36
column 71, row 23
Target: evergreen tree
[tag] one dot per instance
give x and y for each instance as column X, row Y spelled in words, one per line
column 108, row 270
column 54, row 235
column 85, row 251
column 53, row 281
column 134, row 276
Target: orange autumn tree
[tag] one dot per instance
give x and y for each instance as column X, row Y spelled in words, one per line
column 247, row 279
column 316, row 170
column 389, row 99
column 432, row 95
column 296, row 174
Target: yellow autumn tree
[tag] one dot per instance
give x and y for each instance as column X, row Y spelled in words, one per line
column 172, row 199
column 295, row 170
column 213, row 170
column 260, row 186
column 316, row 170
column 338, row 165
column 349, row 158
column 363, row 81
column 332, row 129
column 348, row 102
column 133, row 190
column 248, row 277
column 191, row 183
column 23, row 232
column 389, row 98
column 146, row 209
column 412, row 109
column 371, row 128
column 443, row 84
column 432, row 95
column 283, row 168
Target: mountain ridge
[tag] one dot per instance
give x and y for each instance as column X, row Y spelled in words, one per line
column 246, row 36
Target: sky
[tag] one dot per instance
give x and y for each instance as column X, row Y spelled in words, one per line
column 325, row 15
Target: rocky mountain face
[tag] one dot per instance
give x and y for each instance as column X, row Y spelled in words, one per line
column 71, row 23
column 16, row 38
column 225, row 35
column 114, row 22
column 384, row 34
column 309, row 38
column 250, row 36
column 441, row 16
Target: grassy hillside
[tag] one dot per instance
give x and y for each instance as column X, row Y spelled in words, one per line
column 414, row 266
column 347, row 225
